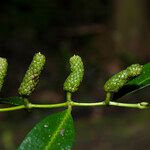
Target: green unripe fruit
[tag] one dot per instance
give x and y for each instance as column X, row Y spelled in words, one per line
column 135, row 69
column 120, row 79
column 3, row 70
column 77, row 71
column 31, row 77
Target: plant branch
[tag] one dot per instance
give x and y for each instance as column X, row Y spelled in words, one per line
column 142, row 105
column 30, row 106
column 12, row 108
column 88, row 104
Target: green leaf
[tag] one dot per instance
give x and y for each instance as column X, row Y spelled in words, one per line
column 13, row 100
column 55, row 132
column 139, row 82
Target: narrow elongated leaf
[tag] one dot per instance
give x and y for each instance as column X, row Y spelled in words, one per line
column 55, row 132
column 13, row 100
column 141, row 81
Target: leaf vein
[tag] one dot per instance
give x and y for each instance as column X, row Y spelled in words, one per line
column 53, row 137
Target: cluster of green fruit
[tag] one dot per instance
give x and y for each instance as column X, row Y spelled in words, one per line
column 73, row 81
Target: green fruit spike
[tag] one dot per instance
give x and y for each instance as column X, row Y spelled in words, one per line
column 31, row 77
column 120, row 79
column 77, row 71
column 135, row 69
column 3, row 70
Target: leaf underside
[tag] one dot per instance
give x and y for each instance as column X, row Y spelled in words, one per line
column 55, row 132
column 139, row 82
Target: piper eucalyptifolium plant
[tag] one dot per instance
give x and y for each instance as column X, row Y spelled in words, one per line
column 56, row 131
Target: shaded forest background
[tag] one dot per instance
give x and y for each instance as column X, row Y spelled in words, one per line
column 108, row 35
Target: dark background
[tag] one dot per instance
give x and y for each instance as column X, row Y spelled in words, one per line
column 108, row 35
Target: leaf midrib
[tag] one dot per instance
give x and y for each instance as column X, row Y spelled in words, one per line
column 144, row 81
column 53, row 137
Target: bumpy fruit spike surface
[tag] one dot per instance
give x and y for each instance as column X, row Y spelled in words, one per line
column 77, row 71
column 3, row 70
column 135, row 69
column 120, row 79
column 31, row 77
